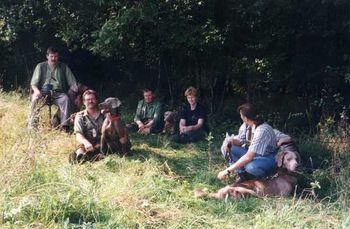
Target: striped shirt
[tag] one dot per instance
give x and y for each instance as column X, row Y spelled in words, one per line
column 264, row 140
column 242, row 134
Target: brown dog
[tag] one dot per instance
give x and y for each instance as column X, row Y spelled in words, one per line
column 281, row 184
column 114, row 136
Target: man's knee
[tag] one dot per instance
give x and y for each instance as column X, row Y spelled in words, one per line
column 238, row 151
column 255, row 170
column 64, row 100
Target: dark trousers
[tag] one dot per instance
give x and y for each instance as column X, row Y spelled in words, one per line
column 155, row 128
column 190, row 136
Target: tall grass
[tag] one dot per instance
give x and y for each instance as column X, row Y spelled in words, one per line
column 151, row 189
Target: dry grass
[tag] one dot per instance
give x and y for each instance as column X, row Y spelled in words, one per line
column 152, row 189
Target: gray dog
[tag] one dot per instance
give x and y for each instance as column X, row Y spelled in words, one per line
column 114, row 136
column 170, row 122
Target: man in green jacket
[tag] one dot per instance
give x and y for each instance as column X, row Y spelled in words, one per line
column 54, row 78
column 149, row 116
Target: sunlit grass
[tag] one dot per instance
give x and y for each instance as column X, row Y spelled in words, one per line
column 151, row 189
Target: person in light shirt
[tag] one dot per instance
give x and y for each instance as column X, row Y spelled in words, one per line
column 253, row 151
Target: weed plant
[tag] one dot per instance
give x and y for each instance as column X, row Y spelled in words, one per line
column 151, row 189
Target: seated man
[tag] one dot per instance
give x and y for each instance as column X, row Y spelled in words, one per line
column 253, row 155
column 193, row 118
column 51, row 78
column 87, row 128
column 148, row 117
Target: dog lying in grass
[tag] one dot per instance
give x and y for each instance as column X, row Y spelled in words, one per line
column 114, row 136
column 283, row 183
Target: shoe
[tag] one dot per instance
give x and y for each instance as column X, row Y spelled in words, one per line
column 66, row 129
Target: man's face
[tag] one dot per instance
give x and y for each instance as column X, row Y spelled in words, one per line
column 244, row 119
column 52, row 58
column 90, row 101
column 192, row 100
column 148, row 96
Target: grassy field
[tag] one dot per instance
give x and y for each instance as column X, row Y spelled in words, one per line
column 151, row 189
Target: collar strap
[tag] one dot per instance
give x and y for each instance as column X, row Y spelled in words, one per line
column 115, row 117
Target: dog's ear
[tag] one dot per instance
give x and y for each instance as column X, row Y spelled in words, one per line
column 227, row 135
column 298, row 157
column 279, row 158
column 116, row 103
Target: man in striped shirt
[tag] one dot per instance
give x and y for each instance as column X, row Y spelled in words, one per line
column 281, row 138
column 253, row 151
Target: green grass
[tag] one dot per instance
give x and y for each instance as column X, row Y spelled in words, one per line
column 151, row 189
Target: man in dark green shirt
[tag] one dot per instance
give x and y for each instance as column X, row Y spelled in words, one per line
column 149, row 116
column 55, row 78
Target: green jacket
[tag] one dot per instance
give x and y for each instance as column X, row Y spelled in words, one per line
column 149, row 111
column 88, row 127
column 61, row 77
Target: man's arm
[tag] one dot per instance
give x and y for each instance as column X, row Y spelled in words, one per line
column 194, row 127
column 34, row 83
column 281, row 138
column 242, row 134
column 200, row 122
column 138, row 115
column 36, row 92
column 81, row 139
column 157, row 117
column 138, row 111
column 182, row 125
column 79, row 136
column 286, row 139
column 235, row 141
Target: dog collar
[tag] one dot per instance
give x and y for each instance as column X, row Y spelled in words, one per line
column 115, row 117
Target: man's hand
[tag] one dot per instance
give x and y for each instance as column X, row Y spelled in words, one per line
column 149, row 124
column 223, row 174
column 36, row 94
column 184, row 129
column 235, row 141
column 140, row 125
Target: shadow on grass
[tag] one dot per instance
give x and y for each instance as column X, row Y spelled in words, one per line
column 188, row 161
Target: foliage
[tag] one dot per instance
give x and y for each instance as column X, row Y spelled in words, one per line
column 231, row 50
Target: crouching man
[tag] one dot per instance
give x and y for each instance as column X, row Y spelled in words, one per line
column 87, row 128
column 258, row 159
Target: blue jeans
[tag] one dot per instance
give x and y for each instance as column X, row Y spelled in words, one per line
column 260, row 166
